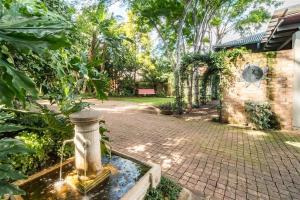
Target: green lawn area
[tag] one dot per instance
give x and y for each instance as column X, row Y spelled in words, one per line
column 147, row 100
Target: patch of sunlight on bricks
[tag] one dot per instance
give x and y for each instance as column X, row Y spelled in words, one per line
column 295, row 144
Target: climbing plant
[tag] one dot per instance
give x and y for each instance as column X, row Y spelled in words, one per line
column 271, row 59
column 214, row 63
column 219, row 67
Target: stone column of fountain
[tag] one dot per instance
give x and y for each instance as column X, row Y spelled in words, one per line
column 87, row 142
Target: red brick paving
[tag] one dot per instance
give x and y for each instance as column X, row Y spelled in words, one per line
column 211, row 159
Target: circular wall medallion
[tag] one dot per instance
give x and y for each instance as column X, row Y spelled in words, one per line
column 252, row 73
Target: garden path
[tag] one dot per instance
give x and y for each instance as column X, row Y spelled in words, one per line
column 211, row 159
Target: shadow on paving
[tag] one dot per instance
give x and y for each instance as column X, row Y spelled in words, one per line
column 213, row 160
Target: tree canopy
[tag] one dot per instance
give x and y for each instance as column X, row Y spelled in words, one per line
column 194, row 26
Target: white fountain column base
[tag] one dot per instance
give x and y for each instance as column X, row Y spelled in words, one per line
column 87, row 142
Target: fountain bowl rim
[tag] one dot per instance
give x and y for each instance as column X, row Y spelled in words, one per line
column 86, row 116
column 150, row 179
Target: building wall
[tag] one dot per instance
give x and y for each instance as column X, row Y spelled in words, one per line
column 277, row 88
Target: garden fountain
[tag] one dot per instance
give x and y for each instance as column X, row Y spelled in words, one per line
column 92, row 176
column 89, row 171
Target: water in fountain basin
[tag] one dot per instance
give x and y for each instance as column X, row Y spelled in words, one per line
column 114, row 188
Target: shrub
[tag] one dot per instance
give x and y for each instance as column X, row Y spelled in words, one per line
column 167, row 189
column 166, row 106
column 45, row 150
column 261, row 115
column 39, row 145
column 171, row 106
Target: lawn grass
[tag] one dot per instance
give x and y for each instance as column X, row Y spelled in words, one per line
column 146, row 100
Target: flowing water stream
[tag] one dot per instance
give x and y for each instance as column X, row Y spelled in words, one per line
column 62, row 157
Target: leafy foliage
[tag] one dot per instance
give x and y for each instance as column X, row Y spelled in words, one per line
column 261, row 116
column 242, row 16
column 36, row 59
column 187, row 27
column 25, row 26
column 214, row 65
column 167, row 189
column 43, row 131
column 105, row 142
column 6, row 128
column 7, row 172
column 40, row 145
column 158, row 74
column 213, row 60
column 166, row 106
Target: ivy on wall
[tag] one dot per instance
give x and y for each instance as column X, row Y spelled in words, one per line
column 271, row 59
column 215, row 63
column 260, row 114
column 218, row 73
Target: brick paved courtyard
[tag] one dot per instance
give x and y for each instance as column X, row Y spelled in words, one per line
column 218, row 161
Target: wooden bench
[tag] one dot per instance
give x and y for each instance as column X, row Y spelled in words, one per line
column 146, row 92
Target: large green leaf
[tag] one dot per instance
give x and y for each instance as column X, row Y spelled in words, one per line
column 4, row 128
column 7, row 188
column 101, row 84
column 10, row 146
column 8, row 173
column 37, row 31
column 15, row 84
column 6, row 93
column 71, row 107
column 4, row 116
column 26, row 26
column 56, row 124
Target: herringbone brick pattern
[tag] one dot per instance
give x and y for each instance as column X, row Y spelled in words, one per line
column 215, row 160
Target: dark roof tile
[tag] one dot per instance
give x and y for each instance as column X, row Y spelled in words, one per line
column 242, row 41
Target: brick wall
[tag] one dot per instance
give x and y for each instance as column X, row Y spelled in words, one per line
column 277, row 89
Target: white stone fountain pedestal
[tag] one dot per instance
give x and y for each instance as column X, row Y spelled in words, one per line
column 87, row 142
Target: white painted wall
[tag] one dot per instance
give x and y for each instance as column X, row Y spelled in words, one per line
column 296, row 106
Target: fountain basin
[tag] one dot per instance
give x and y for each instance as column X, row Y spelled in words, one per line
column 131, row 182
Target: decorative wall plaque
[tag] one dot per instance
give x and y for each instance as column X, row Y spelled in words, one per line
column 253, row 74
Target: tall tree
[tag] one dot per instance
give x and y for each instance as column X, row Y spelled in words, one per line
column 185, row 26
column 242, row 16
column 201, row 16
column 168, row 19
column 182, row 27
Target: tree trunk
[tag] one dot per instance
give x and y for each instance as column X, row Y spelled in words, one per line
column 154, row 86
column 190, row 90
column 182, row 94
column 189, row 106
column 177, row 67
column 134, row 81
column 178, row 92
column 196, row 88
column 92, row 49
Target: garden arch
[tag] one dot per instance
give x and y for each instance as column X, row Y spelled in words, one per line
column 215, row 65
